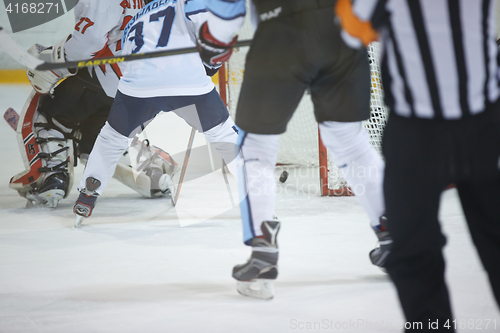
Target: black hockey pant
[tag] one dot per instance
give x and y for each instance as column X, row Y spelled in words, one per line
column 423, row 157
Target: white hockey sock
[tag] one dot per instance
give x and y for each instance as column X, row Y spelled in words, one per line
column 257, row 184
column 104, row 157
column 224, row 137
column 358, row 162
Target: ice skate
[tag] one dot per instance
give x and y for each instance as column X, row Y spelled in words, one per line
column 379, row 255
column 255, row 277
column 86, row 200
column 53, row 189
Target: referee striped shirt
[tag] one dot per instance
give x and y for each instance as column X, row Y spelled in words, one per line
column 440, row 56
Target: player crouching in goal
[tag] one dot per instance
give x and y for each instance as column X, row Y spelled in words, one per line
column 178, row 83
column 66, row 109
column 296, row 47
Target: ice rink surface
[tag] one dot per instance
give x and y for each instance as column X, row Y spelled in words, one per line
column 134, row 268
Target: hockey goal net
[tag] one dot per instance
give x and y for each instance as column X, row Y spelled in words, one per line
column 300, row 145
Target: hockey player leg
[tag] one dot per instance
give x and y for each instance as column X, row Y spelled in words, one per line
column 46, row 148
column 86, row 200
column 100, row 167
column 257, row 187
column 363, row 169
column 224, row 137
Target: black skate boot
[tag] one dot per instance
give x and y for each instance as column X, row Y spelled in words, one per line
column 53, row 189
column 86, row 200
column 256, row 275
column 379, row 255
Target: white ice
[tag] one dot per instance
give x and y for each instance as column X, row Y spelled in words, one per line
column 133, row 268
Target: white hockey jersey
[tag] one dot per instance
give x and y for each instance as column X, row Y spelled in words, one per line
column 98, row 31
column 226, row 17
column 164, row 25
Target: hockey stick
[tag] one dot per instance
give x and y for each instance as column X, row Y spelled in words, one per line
column 23, row 57
column 224, row 174
column 184, row 166
column 17, row 52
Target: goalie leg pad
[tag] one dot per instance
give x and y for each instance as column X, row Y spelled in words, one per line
column 47, row 155
column 146, row 169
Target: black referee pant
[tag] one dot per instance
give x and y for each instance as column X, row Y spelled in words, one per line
column 423, row 157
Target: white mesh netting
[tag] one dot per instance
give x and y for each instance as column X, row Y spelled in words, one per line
column 299, row 145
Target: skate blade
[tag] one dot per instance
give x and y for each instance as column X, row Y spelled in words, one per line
column 52, row 197
column 34, row 201
column 78, row 221
column 258, row 288
column 33, row 204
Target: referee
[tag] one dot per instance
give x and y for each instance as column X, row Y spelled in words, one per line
column 440, row 80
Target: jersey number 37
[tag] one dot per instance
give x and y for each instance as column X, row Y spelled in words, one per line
column 168, row 16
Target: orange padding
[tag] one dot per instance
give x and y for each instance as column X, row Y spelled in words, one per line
column 19, row 76
column 353, row 25
column 8, row 76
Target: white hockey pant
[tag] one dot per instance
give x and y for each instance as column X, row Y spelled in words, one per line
column 224, row 137
column 256, row 180
column 107, row 151
column 359, row 164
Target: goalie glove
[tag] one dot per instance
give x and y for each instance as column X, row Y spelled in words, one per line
column 213, row 53
column 44, row 81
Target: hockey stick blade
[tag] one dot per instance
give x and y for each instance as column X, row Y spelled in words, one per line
column 17, row 52
column 12, row 118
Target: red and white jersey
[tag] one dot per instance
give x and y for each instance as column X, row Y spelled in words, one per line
column 98, row 32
